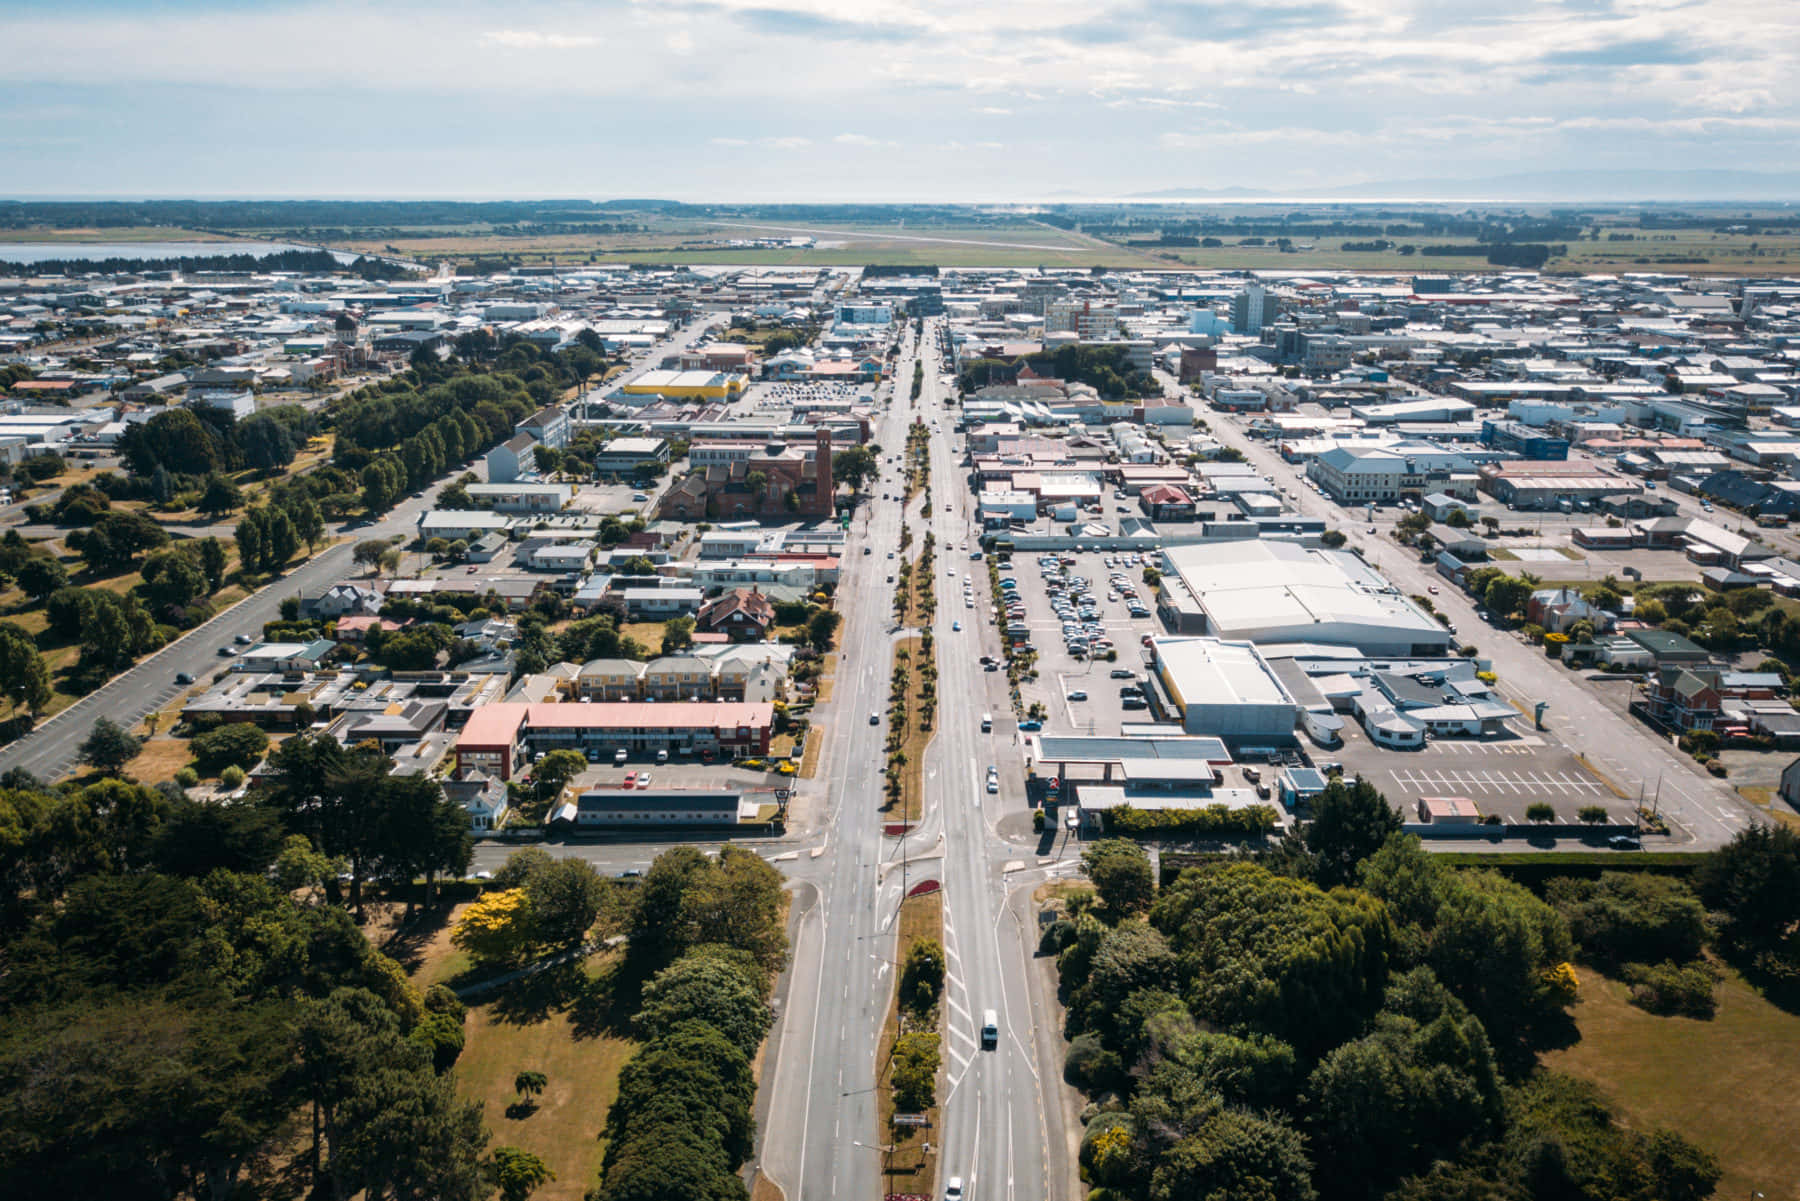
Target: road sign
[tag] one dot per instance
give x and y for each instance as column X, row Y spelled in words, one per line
column 911, row 1119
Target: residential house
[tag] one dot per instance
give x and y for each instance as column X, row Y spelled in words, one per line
column 677, row 677
column 340, row 600
column 483, row 798
column 1558, row 609
column 609, row 680
column 744, row 614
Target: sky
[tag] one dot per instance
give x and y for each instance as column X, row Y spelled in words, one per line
column 881, row 100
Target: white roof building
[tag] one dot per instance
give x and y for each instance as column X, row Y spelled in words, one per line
column 1268, row 591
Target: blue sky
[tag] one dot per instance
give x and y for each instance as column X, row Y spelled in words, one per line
column 880, row 99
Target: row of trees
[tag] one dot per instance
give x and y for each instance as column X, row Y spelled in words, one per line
column 709, row 933
column 1346, row 1016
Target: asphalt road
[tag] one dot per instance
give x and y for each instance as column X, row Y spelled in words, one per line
column 1703, row 813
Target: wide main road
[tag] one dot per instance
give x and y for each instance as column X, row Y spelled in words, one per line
column 819, row 1136
column 1002, row 1121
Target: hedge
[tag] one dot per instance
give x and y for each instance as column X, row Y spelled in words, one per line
column 1213, row 819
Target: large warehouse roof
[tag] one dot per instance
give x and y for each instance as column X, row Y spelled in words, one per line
column 1220, row 673
column 1266, row 590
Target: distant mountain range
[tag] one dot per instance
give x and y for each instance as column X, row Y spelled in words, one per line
column 1538, row 186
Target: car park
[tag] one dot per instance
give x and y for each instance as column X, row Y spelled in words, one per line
column 643, row 780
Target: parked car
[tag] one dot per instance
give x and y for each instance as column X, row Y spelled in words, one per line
column 1078, row 695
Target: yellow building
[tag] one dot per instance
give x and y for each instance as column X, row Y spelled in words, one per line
column 686, row 385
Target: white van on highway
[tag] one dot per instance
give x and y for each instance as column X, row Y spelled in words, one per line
column 990, row 1030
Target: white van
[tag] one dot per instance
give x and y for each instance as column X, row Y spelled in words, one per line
column 990, row 1030
column 987, row 722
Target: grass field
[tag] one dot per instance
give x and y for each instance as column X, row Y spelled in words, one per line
column 121, row 234
column 907, row 1168
column 561, row 1024
column 1725, row 1084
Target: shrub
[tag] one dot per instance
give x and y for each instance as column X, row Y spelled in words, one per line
column 1090, row 1067
column 187, row 777
column 1716, row 766
column 1592, row 814
column 232, row 777
column 1669, row 989
column 1540, row 811
column 1213, row 819
column 236, row 745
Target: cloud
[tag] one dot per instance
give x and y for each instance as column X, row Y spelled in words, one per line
column 531, row 39
column 857, row 139
column 990, row 110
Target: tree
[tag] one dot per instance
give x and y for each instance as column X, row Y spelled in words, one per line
column 528, row 1084
column 266, row 442
column 1349, row 823
column 555, row 770
column 1268, row 954
column 109, row 746
column 238, row 744
column 497, row 929
column 1506, row 596
column 1235, row 1155
column 212, row 563
column 517, row 1173
column 822, row 628
column 854, row 466
column 173, row 580
column 220, row 496
column 922, row 975
column 677, row 635
column 1121, row 874
column 40, row 575
column 1753, row 882
column 24, row 679
column 914, row 1074
column 726, row 995
column 368, row 552
column 565, row 897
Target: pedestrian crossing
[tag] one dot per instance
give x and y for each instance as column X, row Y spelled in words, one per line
column 1454, row 782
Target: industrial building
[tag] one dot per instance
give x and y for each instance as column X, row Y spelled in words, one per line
column 1267, row 591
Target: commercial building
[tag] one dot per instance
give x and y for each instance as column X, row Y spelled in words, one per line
column 684, row 385
column 1267, row 591
column 1523, row 440
column 1224, row 689
column 613, row 808
column 1252, row 309
column 497, row 737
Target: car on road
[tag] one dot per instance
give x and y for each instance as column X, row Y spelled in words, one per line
column 227, row 651
column 1431, row 588
column 1031, row 724
column 182, row 677
column 890, row 554
column 953, row 1189
column 956, row 626
column 874, row 719
column 242, row 640
column 1121, row 673
column 1078, row 695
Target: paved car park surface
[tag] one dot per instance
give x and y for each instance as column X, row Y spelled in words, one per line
column 1062, row 668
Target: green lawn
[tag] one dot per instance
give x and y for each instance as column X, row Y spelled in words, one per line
column 1726, row 1084
column 565, row 1024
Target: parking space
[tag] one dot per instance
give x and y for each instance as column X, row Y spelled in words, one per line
column 1075, row 608
column 1501, row 775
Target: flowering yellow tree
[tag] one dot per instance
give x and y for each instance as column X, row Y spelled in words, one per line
column 497, row 929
